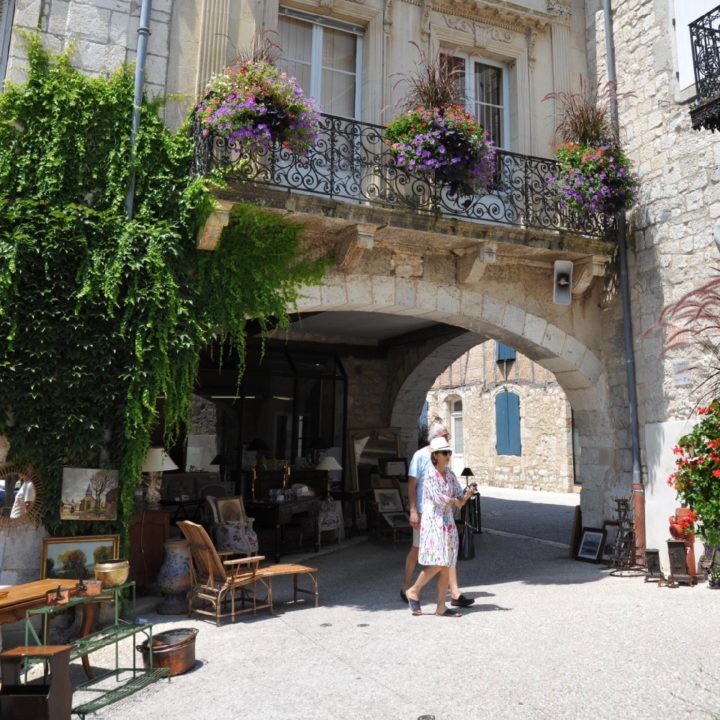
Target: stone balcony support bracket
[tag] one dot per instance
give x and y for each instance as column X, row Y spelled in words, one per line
column 209, row 234
column 585, row 270
column 352, row 243
column 472, row 262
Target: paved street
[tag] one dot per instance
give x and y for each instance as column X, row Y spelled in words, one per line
column 548, row 638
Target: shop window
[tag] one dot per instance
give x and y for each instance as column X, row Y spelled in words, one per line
column 507, row 423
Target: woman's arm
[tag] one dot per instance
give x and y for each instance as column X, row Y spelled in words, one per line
column 433, row 491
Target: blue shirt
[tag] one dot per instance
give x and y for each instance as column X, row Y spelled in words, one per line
column 418, row 468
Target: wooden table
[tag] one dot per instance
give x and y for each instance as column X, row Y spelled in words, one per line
column 27, row 596
column 279, row 514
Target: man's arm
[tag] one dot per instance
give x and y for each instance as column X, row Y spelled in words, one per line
column 412, row 497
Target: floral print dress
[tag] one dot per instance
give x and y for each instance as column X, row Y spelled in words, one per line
column 438, row 533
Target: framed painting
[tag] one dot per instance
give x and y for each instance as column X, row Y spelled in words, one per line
column 74, row 558
column 591, row 545
column 397, row 519
column 388, row 500
column 89, row 494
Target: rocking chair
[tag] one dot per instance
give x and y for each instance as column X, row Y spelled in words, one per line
column 216, row 580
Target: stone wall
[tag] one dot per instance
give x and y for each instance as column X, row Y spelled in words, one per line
column 546, row 460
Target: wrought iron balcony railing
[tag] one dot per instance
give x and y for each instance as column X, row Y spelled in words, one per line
column 350, row 161
column 705, row 42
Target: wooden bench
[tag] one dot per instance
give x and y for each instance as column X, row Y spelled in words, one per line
column 282, row 569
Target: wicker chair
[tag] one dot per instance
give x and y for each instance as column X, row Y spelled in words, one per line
column 216, row 580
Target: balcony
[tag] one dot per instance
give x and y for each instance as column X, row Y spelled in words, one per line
column 705, row 42
column 351, row 163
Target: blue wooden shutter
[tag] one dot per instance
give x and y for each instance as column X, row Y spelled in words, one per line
column 504, row 353
column 507, row 423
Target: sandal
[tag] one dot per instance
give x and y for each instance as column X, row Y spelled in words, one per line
column 462, row 601
column 415, row 607
column 450, row 613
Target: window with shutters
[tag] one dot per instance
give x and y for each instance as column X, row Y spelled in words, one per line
column 326, row 58
column 504, row 353
column 507, row 423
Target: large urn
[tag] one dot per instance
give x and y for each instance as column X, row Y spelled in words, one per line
column 174, row 578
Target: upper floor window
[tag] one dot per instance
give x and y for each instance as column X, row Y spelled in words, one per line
column 326, row 58
column 507, row 423
column 684, row 13
column 484, row 84
column 504, row 353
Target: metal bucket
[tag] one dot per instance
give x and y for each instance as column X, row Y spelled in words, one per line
column 173, row 649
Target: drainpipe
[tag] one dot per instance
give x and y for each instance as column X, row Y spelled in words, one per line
column 143, row 34
column 638, row 489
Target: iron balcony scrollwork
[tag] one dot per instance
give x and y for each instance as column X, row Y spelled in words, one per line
column 705, row 43
column 351, row 161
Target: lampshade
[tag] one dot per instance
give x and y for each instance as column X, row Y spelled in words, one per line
column 328, row 463
column 157, row 460
column 467, row 472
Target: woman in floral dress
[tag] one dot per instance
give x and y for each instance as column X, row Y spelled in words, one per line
column 438, row 534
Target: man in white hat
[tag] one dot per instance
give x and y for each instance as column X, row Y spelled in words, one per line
column 416, row 474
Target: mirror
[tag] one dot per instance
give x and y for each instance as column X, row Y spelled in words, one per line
column 20, row 495
column 367, row 448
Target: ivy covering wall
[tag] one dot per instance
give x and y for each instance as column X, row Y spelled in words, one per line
column 100, row 316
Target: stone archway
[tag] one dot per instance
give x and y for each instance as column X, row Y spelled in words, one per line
column 577, row 367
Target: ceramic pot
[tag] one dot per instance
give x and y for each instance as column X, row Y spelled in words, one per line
column 113, row 573
column 174, row 579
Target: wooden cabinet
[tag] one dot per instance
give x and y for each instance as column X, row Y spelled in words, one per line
column 148, row 533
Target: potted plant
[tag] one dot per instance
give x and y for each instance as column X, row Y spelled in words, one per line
column 594, row 175
column 253, row 104
column 696, row 479
column 436, row 137
column 714, row 576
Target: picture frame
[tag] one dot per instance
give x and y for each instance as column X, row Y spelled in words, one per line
column 393, row 467
column 591, row 545
column 612, row 529
column 388, row 500
column 397, row 519
column 89, row 494
column 74, row 558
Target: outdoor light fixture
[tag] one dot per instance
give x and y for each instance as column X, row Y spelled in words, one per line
column 156, row 462
column 562, row 282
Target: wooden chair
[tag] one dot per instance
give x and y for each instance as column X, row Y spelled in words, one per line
column 215, row 580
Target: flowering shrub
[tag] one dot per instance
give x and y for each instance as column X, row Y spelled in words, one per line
column 254, row 104
column 593, row 179
column 448, row 145
column 682, row 526
column 697, row 477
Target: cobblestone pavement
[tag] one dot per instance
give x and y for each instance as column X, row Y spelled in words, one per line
column 547, row 638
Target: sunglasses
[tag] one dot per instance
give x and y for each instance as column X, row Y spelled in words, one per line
column 445, row 452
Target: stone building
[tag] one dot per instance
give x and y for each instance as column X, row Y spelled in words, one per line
column 419, row 279
column 510, row 420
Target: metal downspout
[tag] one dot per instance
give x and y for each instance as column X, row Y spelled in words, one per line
column 638, row 489
column 143, row 34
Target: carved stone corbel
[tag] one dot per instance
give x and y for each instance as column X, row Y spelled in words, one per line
column 471, row 265
column 209, row 234
column 354, row 240
column 584, row 271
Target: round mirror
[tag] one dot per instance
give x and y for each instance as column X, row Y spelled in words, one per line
column 20, row 495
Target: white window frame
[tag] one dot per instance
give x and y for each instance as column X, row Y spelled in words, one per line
column 316, row 66
column 470, row 99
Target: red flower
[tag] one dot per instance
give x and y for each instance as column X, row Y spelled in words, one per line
column 716, row 473
column 702, row 410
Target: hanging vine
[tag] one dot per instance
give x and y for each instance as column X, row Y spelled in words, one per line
column 100, row 316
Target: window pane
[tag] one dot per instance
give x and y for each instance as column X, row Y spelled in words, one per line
column 457, row 67
column 489, row 100
column 338, row 93
column 457, row 435
column 296, row 44
column 338, row 50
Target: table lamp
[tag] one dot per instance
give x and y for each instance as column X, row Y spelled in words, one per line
column 329, row 464
column 467, row 473
column 156, row 462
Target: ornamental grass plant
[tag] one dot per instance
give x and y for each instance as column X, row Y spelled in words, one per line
column 436, row 137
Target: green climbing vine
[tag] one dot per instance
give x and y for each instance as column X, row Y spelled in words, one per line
column 100, row 316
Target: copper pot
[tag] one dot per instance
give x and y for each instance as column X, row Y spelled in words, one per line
column 174, row 649
column 113, row 573
column 59, row 596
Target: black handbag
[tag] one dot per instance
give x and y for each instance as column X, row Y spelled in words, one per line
column 467, row 539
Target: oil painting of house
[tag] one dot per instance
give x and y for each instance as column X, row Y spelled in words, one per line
column 89, row 494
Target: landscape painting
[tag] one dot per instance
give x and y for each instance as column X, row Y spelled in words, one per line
column 74, row 558
column 89, row 494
